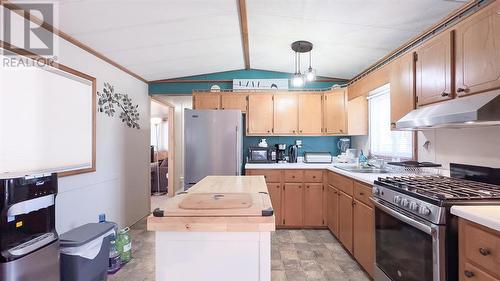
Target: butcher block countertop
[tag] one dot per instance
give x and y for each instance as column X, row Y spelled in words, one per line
column 218, row 204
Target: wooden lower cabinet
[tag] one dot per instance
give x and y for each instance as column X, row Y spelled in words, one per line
column 364, row 235
column 313, row 204
column 479, row 252
column 332, row 215
column 345, row 220
column 274, row 190
column 293, row 205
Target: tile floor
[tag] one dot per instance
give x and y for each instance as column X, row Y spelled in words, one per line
column 304, row 254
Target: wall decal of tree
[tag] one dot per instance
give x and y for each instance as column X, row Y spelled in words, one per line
column 109, row 102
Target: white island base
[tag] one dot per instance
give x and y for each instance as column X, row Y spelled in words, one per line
column 221, row 256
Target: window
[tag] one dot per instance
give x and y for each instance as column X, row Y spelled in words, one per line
column 383, row 141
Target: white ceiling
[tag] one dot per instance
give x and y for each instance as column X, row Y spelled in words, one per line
column 159, row 39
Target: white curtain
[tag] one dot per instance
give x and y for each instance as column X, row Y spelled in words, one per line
column 383, row 141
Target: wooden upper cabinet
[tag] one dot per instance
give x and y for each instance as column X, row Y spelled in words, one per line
column 364, row 236
column 293, row 204
column 311, row 114
column 206, row 101
column 260, row 114
column 345, row 216
column 402, row 87
column 478, row 51
column 274, row 190
column 313, row 204
column 335, row 111
column 434, row 79
column 234, row 101
column 286, row 107
column 357, row 116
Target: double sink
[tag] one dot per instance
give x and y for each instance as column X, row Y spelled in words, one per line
column 362, row 169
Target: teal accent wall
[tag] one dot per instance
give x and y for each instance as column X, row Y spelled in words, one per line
column 187, row 88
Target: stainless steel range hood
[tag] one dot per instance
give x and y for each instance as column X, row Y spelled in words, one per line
column 476, row 110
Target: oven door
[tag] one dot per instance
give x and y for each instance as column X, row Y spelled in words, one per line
column 408, row 248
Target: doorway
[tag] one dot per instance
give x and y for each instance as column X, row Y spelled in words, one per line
column 162, row 150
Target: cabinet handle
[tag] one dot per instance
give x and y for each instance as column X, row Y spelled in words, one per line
column 469, row 274
column 307, row 186
column 301, row 131
column 268, row 131
column 294, row 131
column 361, row 193
column 314, row 177
column 353, row 203
column 484, row 251
column 445, row 94
column 462, row 90
column 293, row 177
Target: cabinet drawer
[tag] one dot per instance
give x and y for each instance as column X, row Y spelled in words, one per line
column 294, row 175
column 313, row 176
column 363, row 193
column 473, row 273
column 269, row 175
column 482, row 247
column 342, row 183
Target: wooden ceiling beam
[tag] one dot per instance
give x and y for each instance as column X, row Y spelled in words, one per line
column 242, row 9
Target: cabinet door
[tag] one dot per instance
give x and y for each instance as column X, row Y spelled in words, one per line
column 478, row 52
column 206, row 101
column 313, row 204
column 234, row 101
column 335, row 112
column 260, row 114
column 310, row 114
column 293, row 204
column 364, row 235
column 345, row 220
column 274, row 190
column 433, row 70
column 286, row 110
column 402, row 87
column 357, row 116
column 333, row 210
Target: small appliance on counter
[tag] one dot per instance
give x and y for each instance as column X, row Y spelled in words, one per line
column 281, row 153
column 29, row 245
column 262, row 143
column 317, row 157
column 343, row 144
column 261, row 155
column 293, row 153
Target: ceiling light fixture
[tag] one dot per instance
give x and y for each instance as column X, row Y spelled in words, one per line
column 299, row 47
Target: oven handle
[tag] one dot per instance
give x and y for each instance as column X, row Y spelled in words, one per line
column 417, row 224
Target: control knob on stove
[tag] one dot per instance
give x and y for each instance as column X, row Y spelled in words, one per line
column 397, row 199
column 405, row 203
column 424, row 210
column 414, row 206
column 376, row 191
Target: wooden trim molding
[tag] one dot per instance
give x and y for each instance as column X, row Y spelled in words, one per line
column 242, row 12
column 16, row 9
column 25, row 53
column 173, row 81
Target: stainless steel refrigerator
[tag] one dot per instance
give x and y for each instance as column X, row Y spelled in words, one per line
column 212, row 144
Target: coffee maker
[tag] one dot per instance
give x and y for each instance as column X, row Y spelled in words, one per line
column 281, row 153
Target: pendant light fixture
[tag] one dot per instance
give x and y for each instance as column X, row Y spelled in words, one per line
column 298, row 79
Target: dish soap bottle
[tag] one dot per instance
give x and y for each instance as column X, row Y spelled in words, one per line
column 124, row 245
column 114, row 259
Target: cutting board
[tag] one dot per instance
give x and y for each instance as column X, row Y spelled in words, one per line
column 218, row 205
column 209, row 201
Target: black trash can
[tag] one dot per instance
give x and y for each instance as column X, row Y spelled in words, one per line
column 85, row 252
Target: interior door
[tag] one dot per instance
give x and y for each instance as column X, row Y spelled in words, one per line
column 434, row 80
column 286, row 108
column 260, row 114
column 478, row 52
column 310, row 114
column 293, row 204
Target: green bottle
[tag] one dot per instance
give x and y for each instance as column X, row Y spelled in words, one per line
column 124, row 245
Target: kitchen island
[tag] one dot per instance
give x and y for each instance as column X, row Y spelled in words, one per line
column 219, row 230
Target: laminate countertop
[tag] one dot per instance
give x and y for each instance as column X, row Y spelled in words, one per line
column 488, row 216
column 220, row 219
column 368, row 178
